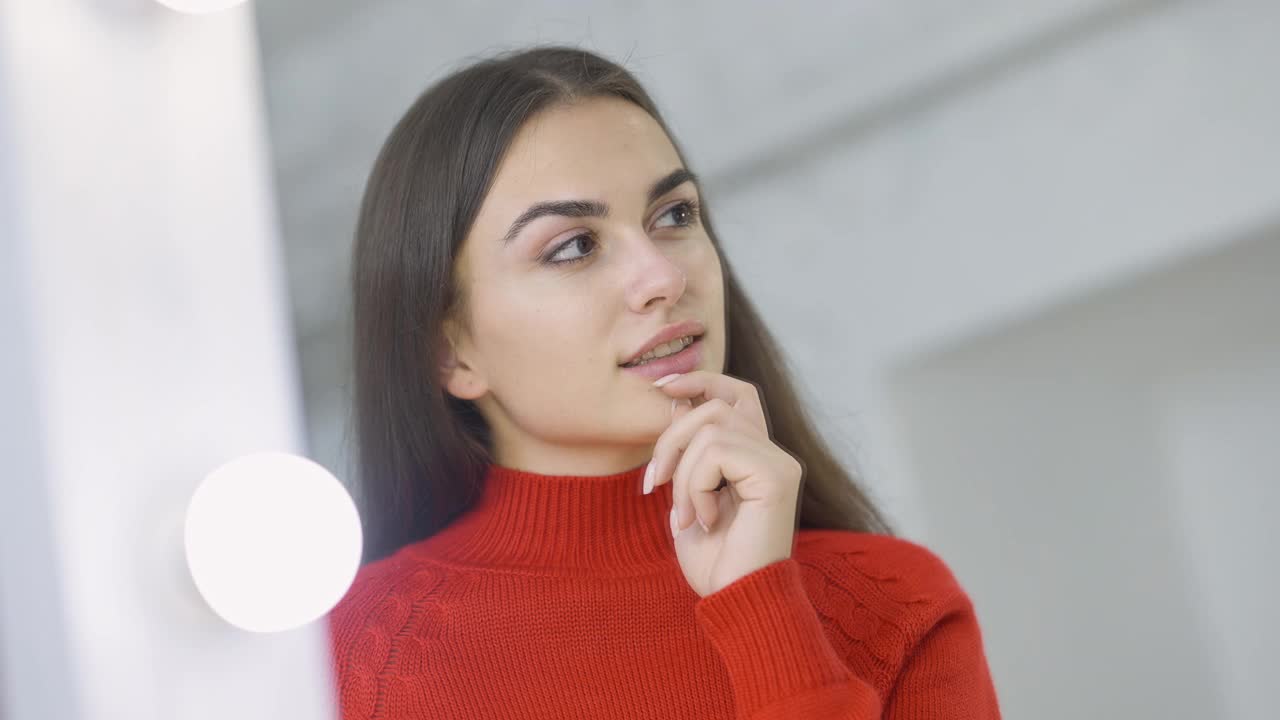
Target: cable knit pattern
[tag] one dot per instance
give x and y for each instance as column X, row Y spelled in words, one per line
column 561, row 597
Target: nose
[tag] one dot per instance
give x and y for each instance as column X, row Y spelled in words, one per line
column 656, row 279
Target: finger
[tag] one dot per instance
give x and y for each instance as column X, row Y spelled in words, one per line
column 685, row 511
column 676, row 438
column 679, row 408
column 702, row 475
column 666, row 451
column 696, row 479
column 670, row 454
column 703, row 493
column 701, row 386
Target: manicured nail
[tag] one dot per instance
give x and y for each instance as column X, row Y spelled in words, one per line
column 675, row 528
column 703, row 524
column 664, row 380
column 648, row 478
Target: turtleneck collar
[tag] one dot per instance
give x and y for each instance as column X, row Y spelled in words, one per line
column 562, row 524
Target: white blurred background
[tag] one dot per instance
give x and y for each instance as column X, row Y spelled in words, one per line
column 1024, row 257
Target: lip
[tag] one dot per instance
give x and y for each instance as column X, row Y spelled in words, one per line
column 687, row 360
column 666, row 334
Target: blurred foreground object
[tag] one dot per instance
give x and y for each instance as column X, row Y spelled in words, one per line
column 272, row 540
column 200, row 6
column 146, row 341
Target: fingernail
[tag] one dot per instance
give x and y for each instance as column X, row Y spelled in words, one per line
column 703, row 524
column 675, row 528
column 664, row 380
column 648, row 478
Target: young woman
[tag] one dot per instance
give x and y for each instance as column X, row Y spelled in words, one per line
column 552, row 530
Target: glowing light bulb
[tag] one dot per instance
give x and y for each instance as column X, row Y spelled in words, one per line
column 199, row 7
column 272, row 540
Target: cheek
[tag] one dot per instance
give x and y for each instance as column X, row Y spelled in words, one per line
column 705, row 256
column 555, row 342
column 705, row 268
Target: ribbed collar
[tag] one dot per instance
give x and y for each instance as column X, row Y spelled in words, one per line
column 562, row 524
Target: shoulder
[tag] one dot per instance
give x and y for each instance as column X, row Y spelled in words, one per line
column 900, row 567
column 877, row 594
column 387, row 587
column 378, row 606
column 388, row 600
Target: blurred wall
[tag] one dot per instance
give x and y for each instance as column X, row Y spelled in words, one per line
column 955, row 180
column 1102, row 475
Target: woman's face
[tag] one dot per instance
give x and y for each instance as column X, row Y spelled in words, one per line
column 542, row 356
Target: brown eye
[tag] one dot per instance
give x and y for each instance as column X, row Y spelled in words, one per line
column 686, row 212
column 566, row 244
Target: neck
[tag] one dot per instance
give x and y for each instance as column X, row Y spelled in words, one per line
column 574, row 524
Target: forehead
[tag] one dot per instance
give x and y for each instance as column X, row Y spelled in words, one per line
column 586, row 150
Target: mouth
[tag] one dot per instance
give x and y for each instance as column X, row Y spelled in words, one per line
column 686, row 360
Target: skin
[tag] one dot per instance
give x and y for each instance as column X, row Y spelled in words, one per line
column 541, row 351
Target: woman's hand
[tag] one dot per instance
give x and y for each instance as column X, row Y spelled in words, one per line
column 722, row 441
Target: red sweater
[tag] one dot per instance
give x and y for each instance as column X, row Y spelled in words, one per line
column 561, row 597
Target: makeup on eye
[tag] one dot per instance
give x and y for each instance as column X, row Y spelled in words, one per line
column 690, row 206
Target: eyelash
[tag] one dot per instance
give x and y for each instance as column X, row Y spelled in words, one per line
column 691, row 206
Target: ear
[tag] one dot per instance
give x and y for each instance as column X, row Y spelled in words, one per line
column 457, row 377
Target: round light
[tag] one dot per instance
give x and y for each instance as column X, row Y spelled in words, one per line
column 199, row 7
column 272, row 541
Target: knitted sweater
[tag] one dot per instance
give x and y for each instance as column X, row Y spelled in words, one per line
column 561, row 597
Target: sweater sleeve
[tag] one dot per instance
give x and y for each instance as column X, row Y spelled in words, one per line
column 779, row 660
column 946, row 675
column 782, row 665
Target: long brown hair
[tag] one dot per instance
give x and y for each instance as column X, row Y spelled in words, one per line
column 421, row 454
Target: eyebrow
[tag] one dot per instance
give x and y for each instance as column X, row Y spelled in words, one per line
column 593, row 208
